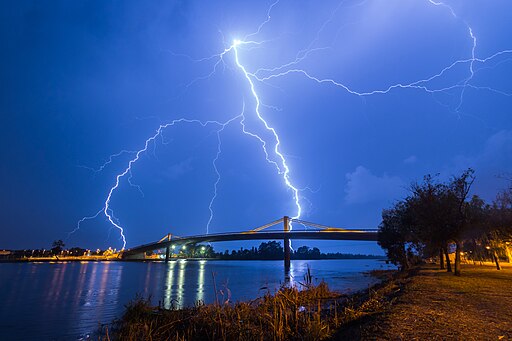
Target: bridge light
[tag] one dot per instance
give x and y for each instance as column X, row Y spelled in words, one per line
column 203, row 248
column 184, row 247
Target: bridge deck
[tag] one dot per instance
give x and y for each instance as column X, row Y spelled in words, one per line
column 264, row 235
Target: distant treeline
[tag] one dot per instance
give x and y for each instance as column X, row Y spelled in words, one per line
column 274, row 250
column 57, row 250
column 271, row 250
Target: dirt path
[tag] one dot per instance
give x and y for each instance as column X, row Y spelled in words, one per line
column 436, row 305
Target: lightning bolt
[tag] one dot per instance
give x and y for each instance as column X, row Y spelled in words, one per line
column 421, row 84
column 79, row 223
column 107, row 210
column 110, row 159
column 214, row 164
column 272, row 147
column 283, row 168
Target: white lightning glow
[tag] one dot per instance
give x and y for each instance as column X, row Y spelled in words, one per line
column 264, row 75
column 109, row 161
column 107, row 211
column 214, row 164
column 283, row 167
column 79, row 223
column 421, row 84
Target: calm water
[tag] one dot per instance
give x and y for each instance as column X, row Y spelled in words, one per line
column 67, row 301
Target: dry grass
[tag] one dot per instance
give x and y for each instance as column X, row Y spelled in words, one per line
column 291, row 314
column 436, row 305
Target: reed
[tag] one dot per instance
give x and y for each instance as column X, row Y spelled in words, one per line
column 313, row 313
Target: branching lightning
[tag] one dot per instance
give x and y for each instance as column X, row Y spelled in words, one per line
column 109, row 161
column 422, row 84
column 272, row 148
column 214, row 164
column 107, row 211
column 283, row 168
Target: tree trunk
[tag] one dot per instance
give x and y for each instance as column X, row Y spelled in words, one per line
column 496, row 260
column 405, row 262
column 509, row 254
column 448, row 264
column 457, row 258
column 441, row 259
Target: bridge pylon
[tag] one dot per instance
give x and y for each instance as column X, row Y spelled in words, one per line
column 168, row 248
column 286, row 228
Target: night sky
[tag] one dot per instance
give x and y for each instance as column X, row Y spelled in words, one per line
column 83, row 80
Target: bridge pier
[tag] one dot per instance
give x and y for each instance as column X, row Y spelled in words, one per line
column 167, row 253
column 168, row 249
column 286, row 244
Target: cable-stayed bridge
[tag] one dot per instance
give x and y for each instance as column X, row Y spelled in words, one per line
column 301, row 230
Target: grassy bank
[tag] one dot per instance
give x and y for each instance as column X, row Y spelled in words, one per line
column 315, row 313
column 435, row 305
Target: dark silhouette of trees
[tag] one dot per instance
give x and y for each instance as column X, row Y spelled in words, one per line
column 428, row 213
column 271, row 250
column 460, row 209
column 57, row 247
column 77, row 251
column 197, row 251
column 395, row 234
column 274, row 251
column 499, row 232
column 438, row 214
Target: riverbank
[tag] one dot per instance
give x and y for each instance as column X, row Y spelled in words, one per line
column 313, row 313
column 425, row 303
column 435, row 305
column 68, row 300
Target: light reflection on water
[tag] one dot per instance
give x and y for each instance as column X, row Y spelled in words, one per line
column 200, row 282
column 63, row 301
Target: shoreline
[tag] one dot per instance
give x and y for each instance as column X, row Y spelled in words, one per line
column 77, row 259
column 309, row 312
column 422, row 303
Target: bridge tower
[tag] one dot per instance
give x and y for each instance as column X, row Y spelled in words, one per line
column 286, row 228
column 168, row 249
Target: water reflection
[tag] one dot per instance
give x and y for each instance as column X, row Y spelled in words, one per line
column 98, row 291
column 200, row 282
column 169, row 283
column 66, row 301
column 289, row 276
column 174, row 295
column 181, row 282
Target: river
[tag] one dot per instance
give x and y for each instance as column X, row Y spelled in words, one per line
column 68, row 300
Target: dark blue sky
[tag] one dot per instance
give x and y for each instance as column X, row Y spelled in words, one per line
column 82, row 80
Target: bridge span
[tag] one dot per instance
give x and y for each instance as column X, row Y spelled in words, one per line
column 319, row 232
